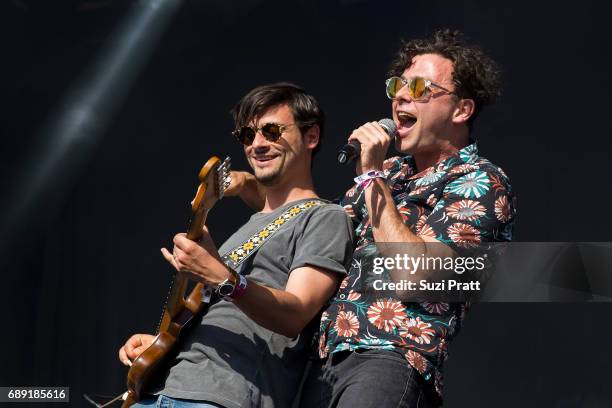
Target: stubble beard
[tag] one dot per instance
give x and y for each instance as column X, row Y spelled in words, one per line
column 268, row 177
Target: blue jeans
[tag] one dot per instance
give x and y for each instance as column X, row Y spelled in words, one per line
column 166, row 402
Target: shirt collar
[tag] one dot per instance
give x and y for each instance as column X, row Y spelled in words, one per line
column 469, row 154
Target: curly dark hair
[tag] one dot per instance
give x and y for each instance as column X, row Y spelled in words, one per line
column 475, row 75
column 305, row 108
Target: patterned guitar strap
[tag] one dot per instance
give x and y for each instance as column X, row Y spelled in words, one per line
column 241, row 253
column 235, row 257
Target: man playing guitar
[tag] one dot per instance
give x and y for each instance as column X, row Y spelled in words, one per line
column 250, row 349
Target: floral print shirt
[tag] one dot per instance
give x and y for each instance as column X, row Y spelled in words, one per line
column 461, row 201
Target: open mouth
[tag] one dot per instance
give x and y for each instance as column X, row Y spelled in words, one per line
column 406, row 120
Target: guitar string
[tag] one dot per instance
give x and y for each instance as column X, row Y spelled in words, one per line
column 223, row 180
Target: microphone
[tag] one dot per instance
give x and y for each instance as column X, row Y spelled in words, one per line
column 352, row 150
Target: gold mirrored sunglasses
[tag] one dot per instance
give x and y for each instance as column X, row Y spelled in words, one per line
column 419, row 88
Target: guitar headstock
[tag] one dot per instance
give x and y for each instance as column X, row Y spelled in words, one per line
column 214, row 179
column 223, row 176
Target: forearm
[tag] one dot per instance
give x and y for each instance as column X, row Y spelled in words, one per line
column 387, row 223
column 394, row 238
column 249, row 190
column 283, row 311
column 274, row 309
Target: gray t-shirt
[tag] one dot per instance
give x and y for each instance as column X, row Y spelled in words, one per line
column 230, row 360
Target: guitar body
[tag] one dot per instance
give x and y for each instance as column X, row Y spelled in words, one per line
column 146, row 369
column 149, row 367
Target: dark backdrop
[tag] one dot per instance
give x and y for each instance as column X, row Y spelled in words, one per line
column 84, row 271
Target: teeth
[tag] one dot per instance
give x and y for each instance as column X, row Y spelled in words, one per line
column 404, row 115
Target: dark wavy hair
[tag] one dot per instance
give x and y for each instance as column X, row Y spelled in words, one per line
column 305, row 108
column 475, row 75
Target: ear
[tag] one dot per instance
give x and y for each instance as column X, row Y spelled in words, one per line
column 311, row 137
column 463, row 111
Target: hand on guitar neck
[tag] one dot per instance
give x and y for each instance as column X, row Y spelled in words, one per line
column 199, row 260
column 195, row 257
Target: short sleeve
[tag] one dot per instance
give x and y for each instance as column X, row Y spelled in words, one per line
column 326, row 240
column 476, row 207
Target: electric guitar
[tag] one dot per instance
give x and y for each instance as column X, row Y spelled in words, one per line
column 179, row 310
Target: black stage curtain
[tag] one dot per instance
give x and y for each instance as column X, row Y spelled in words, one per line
column 84, row 270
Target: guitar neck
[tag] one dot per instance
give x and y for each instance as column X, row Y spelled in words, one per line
column 195, row 230
column 179, row 309
column 175, row 301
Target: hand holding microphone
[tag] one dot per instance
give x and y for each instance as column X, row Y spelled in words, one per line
column 373, row 141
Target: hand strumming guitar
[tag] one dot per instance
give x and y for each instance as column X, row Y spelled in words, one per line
column 133, row 347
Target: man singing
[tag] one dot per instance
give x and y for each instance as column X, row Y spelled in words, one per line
column 379, row 348
column 249, row 350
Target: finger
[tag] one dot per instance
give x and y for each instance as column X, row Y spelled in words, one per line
column 181, row 241
column 131, row 344
column 181, row 259
column 167, row 255
column 361, row 138
column 123, row 356
column 125, row 359
column 177, row 239
column 179, row 255
column 170, row 258
column 364, row 140
column 138, row 350
column 374, row 131
column 126, row 353
column 379, row 132
column 367, row 134
column 373, row 137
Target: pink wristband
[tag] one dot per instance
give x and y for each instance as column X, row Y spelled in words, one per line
column 363, row 181
column 239, row 289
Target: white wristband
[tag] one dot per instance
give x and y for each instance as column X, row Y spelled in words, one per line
column 364, row 180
